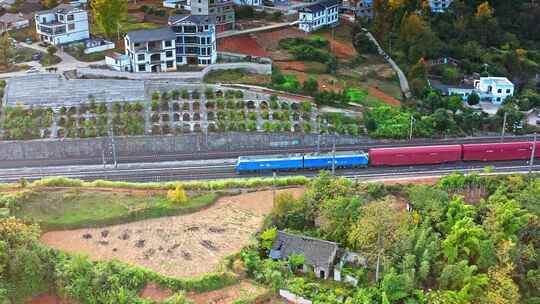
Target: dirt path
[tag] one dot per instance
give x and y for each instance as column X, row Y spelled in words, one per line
column 181, row 246
column 227, row 295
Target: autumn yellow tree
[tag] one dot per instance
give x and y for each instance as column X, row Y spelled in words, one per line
column 177, row 196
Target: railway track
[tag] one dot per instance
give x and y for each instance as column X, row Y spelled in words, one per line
column 203, row 155
column 225, row 170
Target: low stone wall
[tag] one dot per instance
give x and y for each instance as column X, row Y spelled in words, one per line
column 236, row 57
column 93, row 148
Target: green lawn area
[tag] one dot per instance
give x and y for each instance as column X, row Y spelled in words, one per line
column 48, row 60
column 24, row 54
column 236, row 76
column 70, row 209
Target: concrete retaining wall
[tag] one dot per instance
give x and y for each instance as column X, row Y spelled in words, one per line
column 291, row 297
column 257, row 68
column 53, row 149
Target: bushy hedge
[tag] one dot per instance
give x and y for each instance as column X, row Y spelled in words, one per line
column 190, row 185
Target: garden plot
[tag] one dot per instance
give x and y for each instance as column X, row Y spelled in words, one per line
column 176, row 111
column 182, row 246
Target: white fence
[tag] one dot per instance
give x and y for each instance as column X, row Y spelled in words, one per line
column 291, row 297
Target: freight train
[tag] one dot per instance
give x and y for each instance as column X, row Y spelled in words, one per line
column 398, row 156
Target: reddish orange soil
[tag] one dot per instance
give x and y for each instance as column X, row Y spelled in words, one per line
column 244, row 44
column 155, row 293
column 46, row 298
column 375, row 92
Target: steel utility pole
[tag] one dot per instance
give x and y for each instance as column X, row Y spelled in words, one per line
column 411, row 128
column 113, row 148
column 334, row 158
column 533, row 153
column 504, row 126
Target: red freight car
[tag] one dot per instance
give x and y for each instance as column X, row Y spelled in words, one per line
column 423, row 155
column 499, row 151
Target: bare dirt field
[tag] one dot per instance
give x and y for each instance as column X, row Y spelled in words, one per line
column 227, row 295
column 181, row 246
column 155, row 293
column 375, row 92
column 244, row 44
column 46, row 298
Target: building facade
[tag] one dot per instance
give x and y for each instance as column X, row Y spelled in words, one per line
column 62, row 24
column 151, row 50
column 494, row 89
column 439, row 6
column 248, row 2
column 195, row 39
column 10, row 21
column 318, row 15
column 222, row 12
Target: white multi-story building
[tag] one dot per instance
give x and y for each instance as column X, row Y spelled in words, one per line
column 195, row 39
column 151, row 50
column 320, row 14
column 439, row 6
column 248, row 2
column 494, row 89
column 62, row 24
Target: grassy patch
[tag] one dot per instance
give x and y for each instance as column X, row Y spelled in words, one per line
column 24, row 54
column 81, row 56
column 357, row 95
column 73, row 208
column 236, row 76
column 48, row 60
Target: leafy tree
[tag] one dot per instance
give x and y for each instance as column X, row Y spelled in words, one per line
column 177, row 196
column 378, row 231
column 7, row 51
column 108, row 15
column 501, row 287
column 473, row 99
column 267, row 238
column 417, row 39
column 310, row 86
column 51, row 50
column 49, row 3
column 464, row 280
column 296, row 261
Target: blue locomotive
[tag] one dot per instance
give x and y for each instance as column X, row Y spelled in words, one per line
column 293, row 162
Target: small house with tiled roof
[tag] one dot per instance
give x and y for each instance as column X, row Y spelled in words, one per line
column 320, row 255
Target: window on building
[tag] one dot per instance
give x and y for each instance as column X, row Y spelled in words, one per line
column 70, row 18
column 142, row 67
column 508, row 91
column 200, row 10
column 180, row 50
column 140, row 57
column 61, row 17
column 190, row 29
column 169, row 53
column 499, row 91
column 168, row 43
column 498, row 99
column 170, row 64
column 71, row 26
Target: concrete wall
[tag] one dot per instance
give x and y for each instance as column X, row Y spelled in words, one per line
column 292, row 298
column 53, row 149
column 257, row 68
column 236, row 57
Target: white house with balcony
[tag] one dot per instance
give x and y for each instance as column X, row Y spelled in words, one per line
column 195, row 39
column 62, row 24
column 439, row 6
column 494, row 89
column 318, row 15
column 151, row 50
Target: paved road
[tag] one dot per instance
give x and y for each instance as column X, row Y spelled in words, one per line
column 257, row 29
column 68, row 62
column 403, row 82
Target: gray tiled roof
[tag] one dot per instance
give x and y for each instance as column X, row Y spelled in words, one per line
column 320, row 6
column 163, row 33
column 8, row 17
column 62, row 8
column 317, row 252
column 196, row 19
